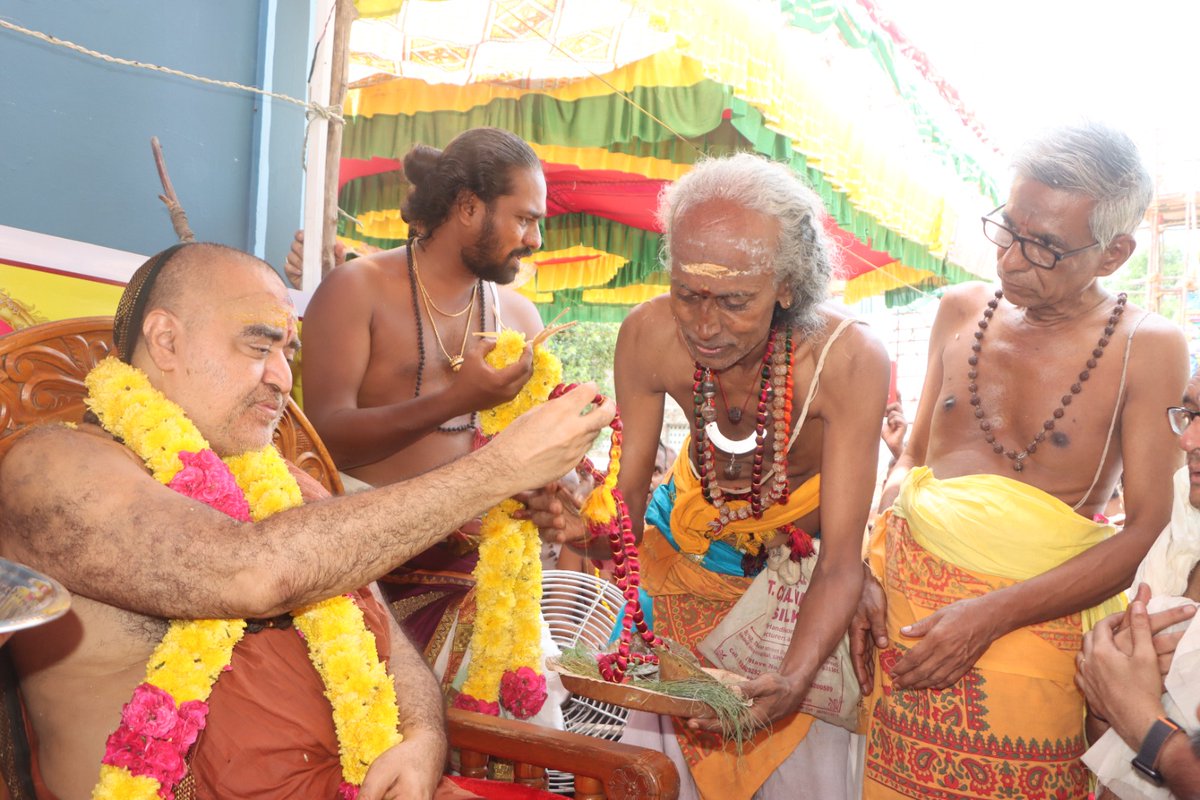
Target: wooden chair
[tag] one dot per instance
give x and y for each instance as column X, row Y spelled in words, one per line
column 41, row 380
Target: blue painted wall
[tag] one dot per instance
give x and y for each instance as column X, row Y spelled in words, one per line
column 75, row 157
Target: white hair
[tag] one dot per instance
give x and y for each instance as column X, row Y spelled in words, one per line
column 1096, row 161
column 803, row 258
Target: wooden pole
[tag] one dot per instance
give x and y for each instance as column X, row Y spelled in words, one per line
column 339, row 74
column 317, row 139
column 179, row 219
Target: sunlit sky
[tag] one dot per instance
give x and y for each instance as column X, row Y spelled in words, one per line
column 1022, row 65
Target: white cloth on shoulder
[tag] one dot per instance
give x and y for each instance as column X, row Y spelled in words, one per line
column 1177, row 548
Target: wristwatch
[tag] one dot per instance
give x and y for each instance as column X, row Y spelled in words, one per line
column 1146, row 760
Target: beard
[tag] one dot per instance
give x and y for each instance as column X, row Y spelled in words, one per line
column 480, row 258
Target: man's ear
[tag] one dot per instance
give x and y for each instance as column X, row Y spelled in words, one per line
column 1117, row 253
column 161, row 337
column 468, row 207
column 784, row 295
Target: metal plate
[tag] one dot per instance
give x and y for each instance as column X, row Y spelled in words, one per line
column 29, row 598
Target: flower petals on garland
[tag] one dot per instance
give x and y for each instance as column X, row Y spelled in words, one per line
column 506, row 647
column 364, row 701
column 146, row 756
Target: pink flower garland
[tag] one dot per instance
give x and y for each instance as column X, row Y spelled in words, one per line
column 205, row 477
column 469, row 703
column 155, row 736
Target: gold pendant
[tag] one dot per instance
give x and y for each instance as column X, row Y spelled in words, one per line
column 456, row 363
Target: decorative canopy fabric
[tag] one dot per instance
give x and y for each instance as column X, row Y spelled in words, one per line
column 625, row 96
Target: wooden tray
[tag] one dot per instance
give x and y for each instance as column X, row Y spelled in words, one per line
column 629, row 696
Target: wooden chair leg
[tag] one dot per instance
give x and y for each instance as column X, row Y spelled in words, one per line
column 472, row 764
column 588, row 788
column 531, row 775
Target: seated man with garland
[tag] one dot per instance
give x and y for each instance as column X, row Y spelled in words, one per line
column 214, row 610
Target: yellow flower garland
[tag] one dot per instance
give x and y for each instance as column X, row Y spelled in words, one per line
column 508, row 577
column 192, row 655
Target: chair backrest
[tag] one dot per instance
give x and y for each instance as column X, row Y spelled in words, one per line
column 41, row 380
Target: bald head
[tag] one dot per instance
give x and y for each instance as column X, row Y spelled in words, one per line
column 216, row 332
column 185, row 280
column 189, row 282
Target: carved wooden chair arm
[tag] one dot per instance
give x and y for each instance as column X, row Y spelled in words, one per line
column 602, row 769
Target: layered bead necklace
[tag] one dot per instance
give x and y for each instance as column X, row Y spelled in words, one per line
column 1018, row 456
column 774, row 403
column 414, row 288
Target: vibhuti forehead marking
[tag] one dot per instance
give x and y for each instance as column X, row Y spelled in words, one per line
column 277, row 314
column 707, row 269
column 759, row 257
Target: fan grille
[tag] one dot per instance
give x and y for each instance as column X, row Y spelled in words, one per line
column 581, row 608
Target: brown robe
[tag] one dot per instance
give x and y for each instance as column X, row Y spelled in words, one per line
column 270, row 729
column 270, row 733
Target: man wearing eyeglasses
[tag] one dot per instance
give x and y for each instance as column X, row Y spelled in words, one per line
column 988, row 568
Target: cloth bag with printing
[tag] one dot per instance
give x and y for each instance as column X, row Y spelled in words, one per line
column 755, row 634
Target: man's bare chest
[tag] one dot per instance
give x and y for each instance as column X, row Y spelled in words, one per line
column 1021, row 391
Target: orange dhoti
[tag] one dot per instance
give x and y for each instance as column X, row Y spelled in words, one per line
column 1013, row 725
column 693, row 589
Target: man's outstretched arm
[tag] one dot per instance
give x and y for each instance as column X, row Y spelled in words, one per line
column 78, row 507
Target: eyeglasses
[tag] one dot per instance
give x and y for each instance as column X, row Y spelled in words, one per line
column 1035, row 253
column 1180, row 419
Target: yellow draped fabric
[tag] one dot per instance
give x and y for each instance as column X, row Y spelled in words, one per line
column 527, row 290
column 1013, row 725
column 29, row 296
column 885, row 170
column 384, row 224
column 885, row 278
column 598, row 158
column 573, row 267
column 689, row 601
column 411, row 96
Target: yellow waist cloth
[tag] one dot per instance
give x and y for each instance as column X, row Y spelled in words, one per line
column 998, row 526
column 692, row 515
column 1013, row 725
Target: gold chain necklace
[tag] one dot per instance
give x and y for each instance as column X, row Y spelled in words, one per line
column 455, row 362
column 429, row 300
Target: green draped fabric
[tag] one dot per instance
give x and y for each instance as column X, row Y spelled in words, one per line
column 750, row 123
column 600, row 121
column 571, row 302
column 859, row 32
column 639, row 248
column 610, row 122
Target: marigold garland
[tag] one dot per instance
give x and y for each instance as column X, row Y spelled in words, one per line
column 145, row 756
column 506, row 642
column 506, row 645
